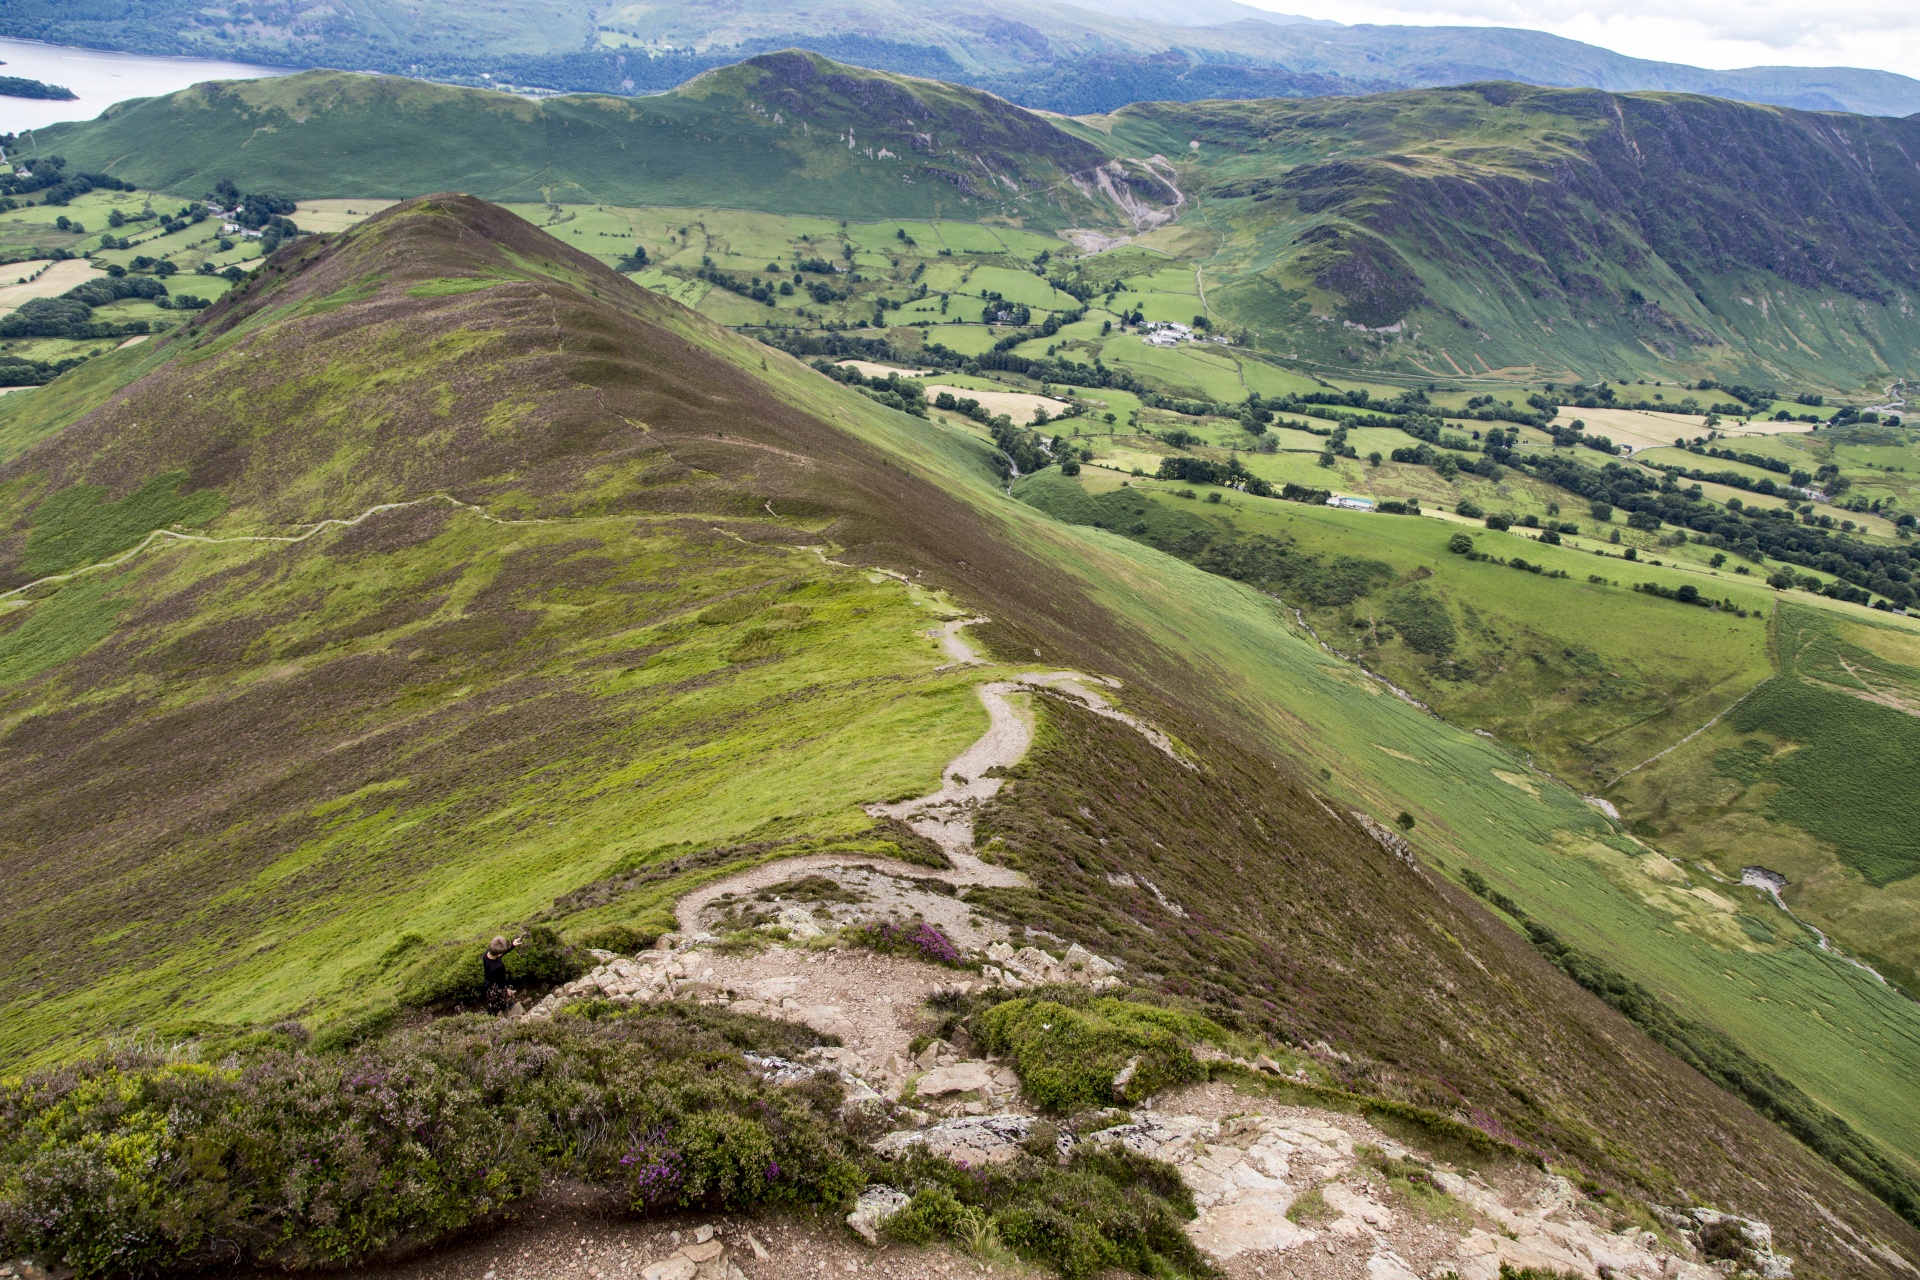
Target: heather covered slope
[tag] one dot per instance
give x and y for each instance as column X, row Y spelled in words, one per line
column 787, row 132
column 253, row 780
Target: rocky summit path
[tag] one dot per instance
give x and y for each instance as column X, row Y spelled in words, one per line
column 1285, row 1192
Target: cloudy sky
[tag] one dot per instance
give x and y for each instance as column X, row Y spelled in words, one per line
column 1708, row 33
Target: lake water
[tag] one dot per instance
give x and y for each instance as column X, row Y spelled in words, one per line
column 102, row 79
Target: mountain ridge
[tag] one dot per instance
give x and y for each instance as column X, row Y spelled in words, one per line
column 921, row 146
column 1053, row 56
column 1604, row 235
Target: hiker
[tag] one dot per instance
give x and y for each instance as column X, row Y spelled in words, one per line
column 499, row 994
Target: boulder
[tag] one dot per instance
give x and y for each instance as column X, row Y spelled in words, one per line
column 1083, row 964
column 704, row 1260
column 871, row 1211
column 962, row 1077
column 974, row 1139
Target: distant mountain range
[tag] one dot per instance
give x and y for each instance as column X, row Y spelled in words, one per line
column 1054, row 57
column 1547, row 227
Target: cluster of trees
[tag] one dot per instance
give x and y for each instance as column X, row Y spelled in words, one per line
column 1757, row 397
column 258, row 211
column 1233, row 473
column 1864, row 569
column 964, row 405
column 21, row 87
column 1574, row 434
column 755, row 289
column 1687, row 593
column 1739, row 480
column 905, row 394
column 17, row 371
column 1755, row 534
column 1447, row 464
column 999, row 311
column 1055, row 322
column 47, row 177
column 1850, row 415
column 1028, row 453
column 1603, row 396
column 254, row 210
column 1751, row 459
column 1291, row 492
column 71, row 314
column 1053, row 369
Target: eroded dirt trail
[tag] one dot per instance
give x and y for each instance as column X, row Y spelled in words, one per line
column 946, row 814
column 1283, row 1191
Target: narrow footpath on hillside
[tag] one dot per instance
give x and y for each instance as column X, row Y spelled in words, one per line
column 1283, row 1191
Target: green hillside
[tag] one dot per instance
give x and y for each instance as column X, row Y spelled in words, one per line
column 591, row 553
column 1546, row 232
column 789, row 132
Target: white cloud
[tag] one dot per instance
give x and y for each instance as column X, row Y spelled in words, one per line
column 1736, row 33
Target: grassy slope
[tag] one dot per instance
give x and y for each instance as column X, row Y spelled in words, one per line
column 1794, row 780
column 467, row 683
column 552, row 682
column 1717, row 952
column 714, row 141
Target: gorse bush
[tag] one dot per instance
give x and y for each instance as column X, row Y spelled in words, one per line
column 135, row 1164
column 1068, row 1058
column 1106, row 1210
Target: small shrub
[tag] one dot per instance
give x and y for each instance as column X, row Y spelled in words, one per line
column 1069, row 1058
column 920, row 939
column 934, row 1212
column 1460, row 544
column 1725, row 1241
column 1310, row 1207
column 1107, row 1210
